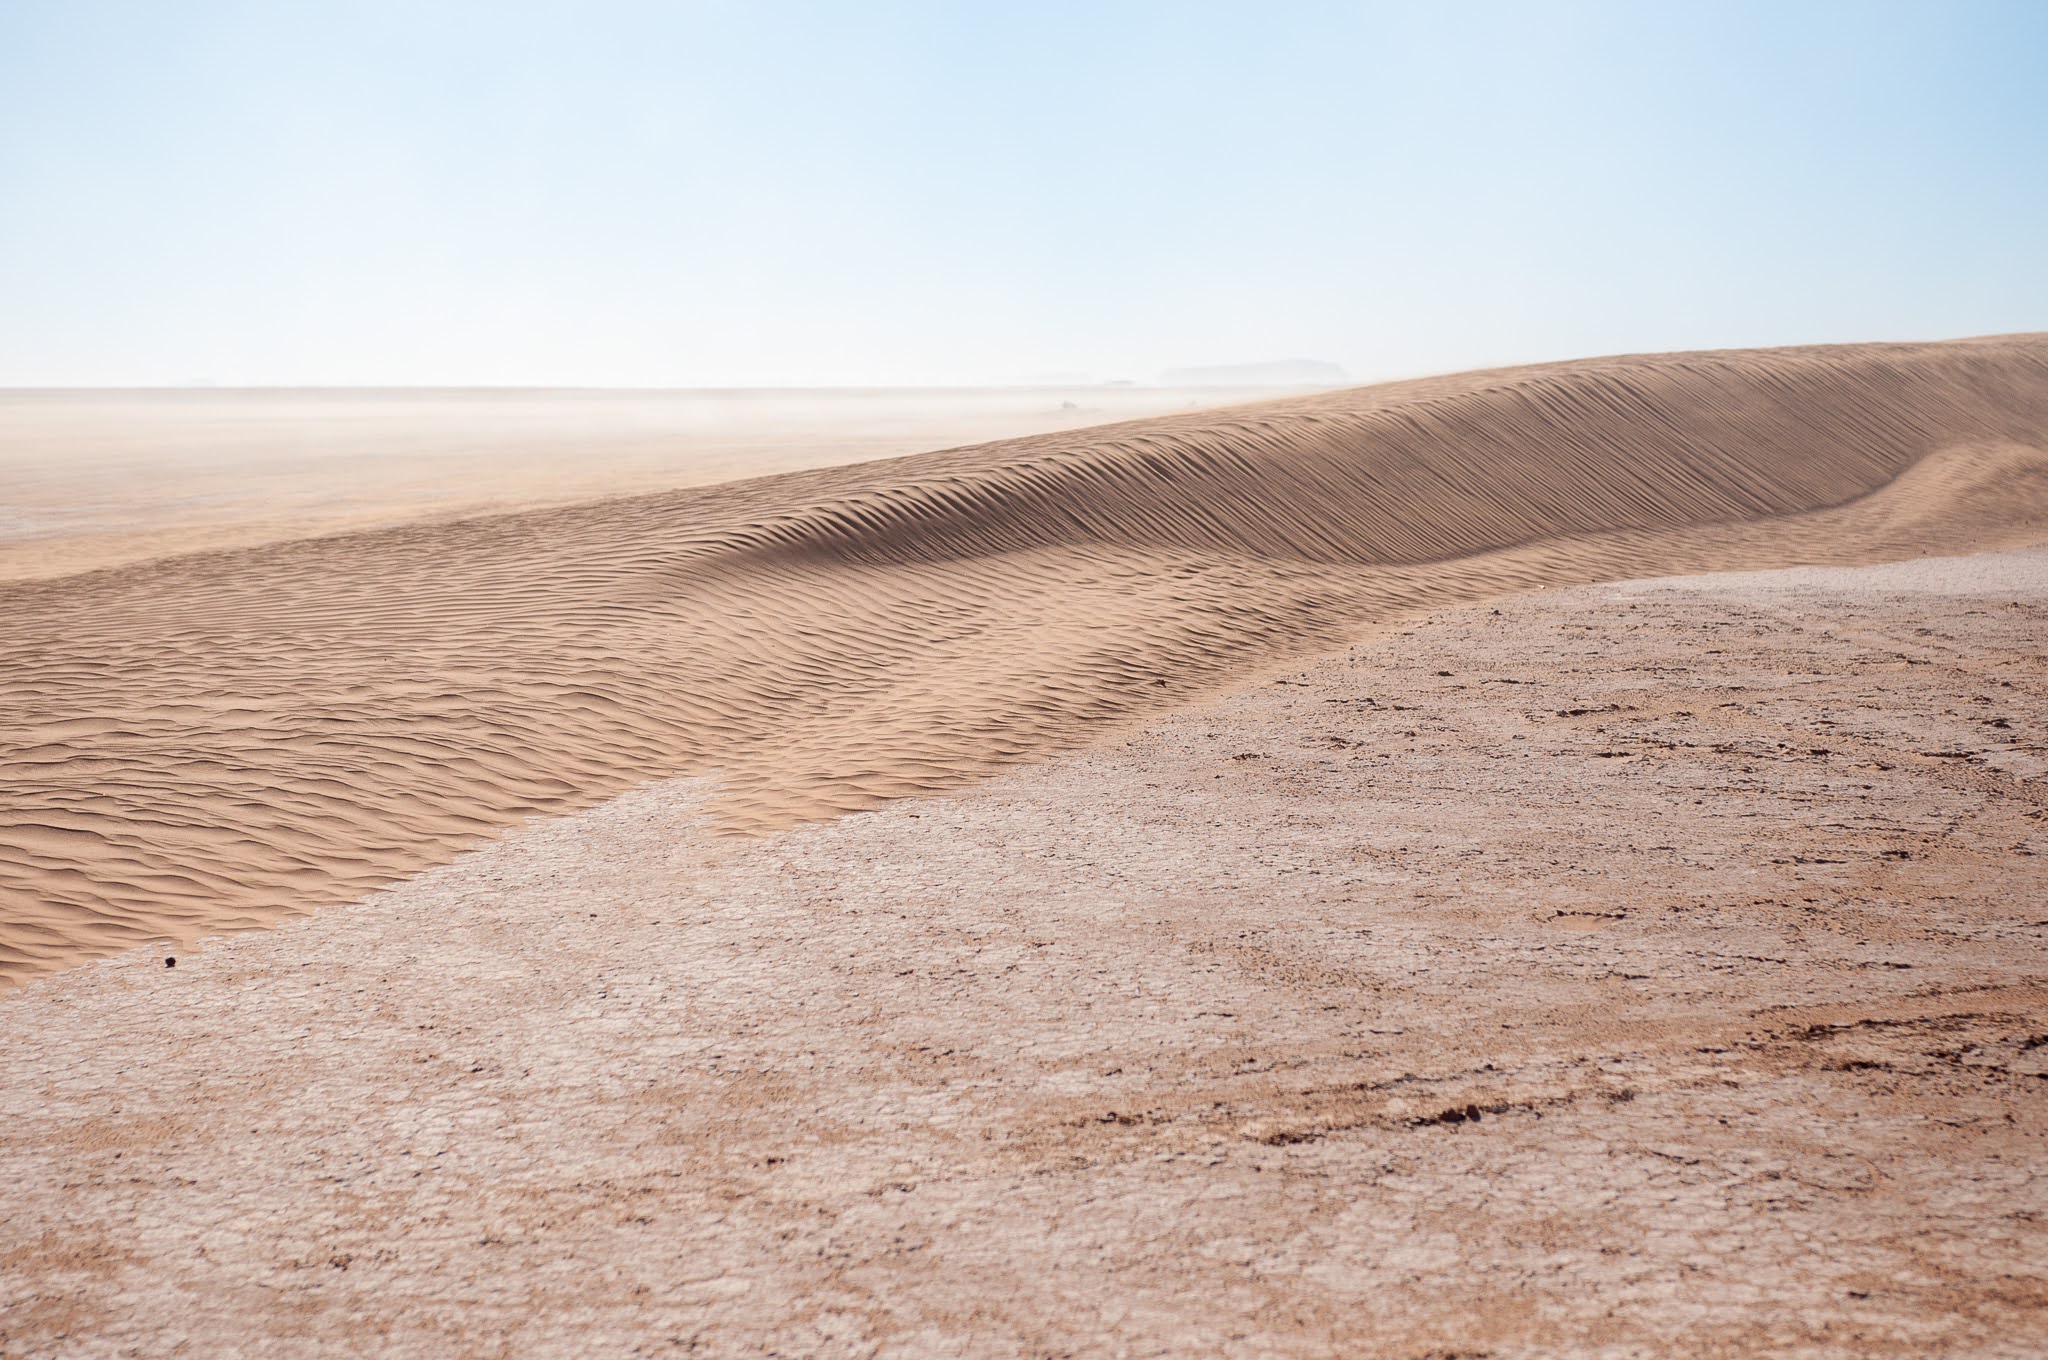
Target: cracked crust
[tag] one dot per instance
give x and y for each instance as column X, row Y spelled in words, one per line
column 1436, row 1029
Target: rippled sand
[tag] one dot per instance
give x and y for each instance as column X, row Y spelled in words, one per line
column 99, row 477
column 223, row 740
column 1647, row 969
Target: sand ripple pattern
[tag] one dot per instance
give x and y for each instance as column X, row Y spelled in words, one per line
column 222, row 740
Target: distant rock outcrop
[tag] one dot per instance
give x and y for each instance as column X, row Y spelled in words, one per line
column 1275, row 373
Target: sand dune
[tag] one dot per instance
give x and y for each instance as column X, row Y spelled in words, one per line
column 221, row 740
column 100, row 478
column 1702, row 1021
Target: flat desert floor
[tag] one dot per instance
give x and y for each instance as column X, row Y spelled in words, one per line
column 1536, row 862
column 1647, row 969
column 98, row 478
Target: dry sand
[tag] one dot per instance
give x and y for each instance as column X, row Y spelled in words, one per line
column 1640, row 970
column 97, row 478
column 223, row 740
column 1410, row 961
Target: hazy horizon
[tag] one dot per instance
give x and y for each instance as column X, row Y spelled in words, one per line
column 636, row 195
column 1070, row 383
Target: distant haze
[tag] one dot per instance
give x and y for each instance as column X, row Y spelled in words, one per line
column 654, row 193
column 1276, row 373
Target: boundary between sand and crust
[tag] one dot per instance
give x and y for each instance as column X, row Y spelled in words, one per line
column 333, row 715
column 1602, row 970
column 1952, row 575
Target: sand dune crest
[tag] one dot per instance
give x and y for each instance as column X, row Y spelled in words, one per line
column 225, row 739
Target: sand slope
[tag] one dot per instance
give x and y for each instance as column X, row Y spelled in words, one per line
column 224, row 739
column 1718, row 901
column 94, row 478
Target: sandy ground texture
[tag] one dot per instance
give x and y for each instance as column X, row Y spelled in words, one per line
column 1640, row 970
column 93, row 478
column 226, row 739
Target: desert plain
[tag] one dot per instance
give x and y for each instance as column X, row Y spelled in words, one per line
column 1535, row 862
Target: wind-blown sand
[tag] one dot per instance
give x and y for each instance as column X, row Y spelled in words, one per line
column 224, row 740
column 97, row 478
column 1637, row 970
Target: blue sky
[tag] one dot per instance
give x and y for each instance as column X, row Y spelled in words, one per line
column 629, row 192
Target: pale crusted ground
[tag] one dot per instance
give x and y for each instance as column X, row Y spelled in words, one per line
column 1648, row 970
column 218, row 741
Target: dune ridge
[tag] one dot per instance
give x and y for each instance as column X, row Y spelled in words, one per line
column 221, row 740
